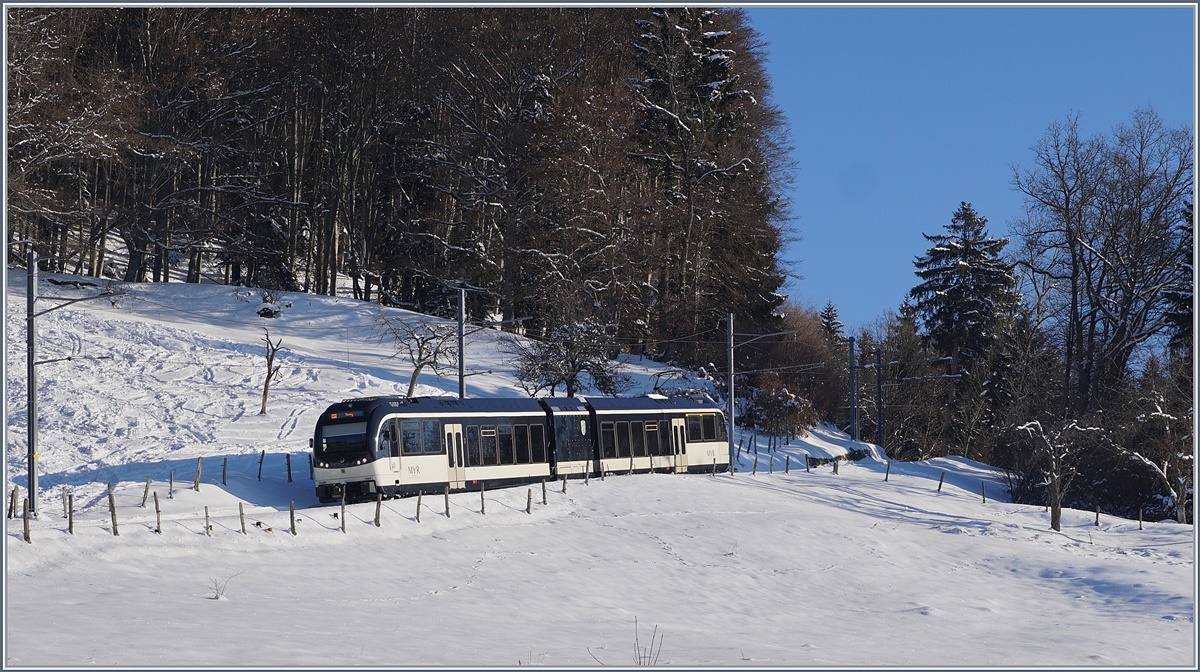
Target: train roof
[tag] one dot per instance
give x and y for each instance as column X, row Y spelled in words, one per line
column 440, row 405
column 652, row 402
column 443, row 405
column 564, row 404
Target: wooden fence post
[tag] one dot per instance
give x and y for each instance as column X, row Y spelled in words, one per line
column 289, row 466
column 28, row 540
column 145, row 495
column 835, row 466
column 112, row 508
column 1097, row 515
column 983, row 490
column 242, row 516
column 207, row 525
column 311, row 477
column 419, row 493
column 292, row 511
column 378, row 506
column 529, row 501
column 940, row 480
column 888, row 472
column 787, row 464
column 199, row 467
column 1139, row 517
column 770, row 468
column 544, row 489
column 157, row 515
column 341, row 517
column 482, row 502
column 12, row 505
column 171, row 485
column 64, row 498
column 260, row 463
column 447, row 501
column 224, row 470
column 71, row 512
column 755, row 471
column 564, row 484
column 587, row 475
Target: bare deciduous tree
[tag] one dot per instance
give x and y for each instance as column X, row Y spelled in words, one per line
column 426, row 343
column 272, row 367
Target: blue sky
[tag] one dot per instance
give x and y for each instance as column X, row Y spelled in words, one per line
column 899, row 113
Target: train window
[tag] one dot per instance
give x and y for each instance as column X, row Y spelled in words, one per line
column 389, row 443
column 348, row 438
column 473, row 446
column 487, row 444
column 385, row 438
column 722, row 435
column 537, row 443
column 410, row 436
column 709, row 423
column 622, row 439
column 505, row 434
column 521, row 439
column 608, row 440
column 694, row 432
column 637, row 435
column 652, row 446
column 432, row 445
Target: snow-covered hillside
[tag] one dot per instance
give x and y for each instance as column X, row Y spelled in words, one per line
column 799, row 569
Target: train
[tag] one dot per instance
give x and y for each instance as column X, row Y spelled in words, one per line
column 369, row 447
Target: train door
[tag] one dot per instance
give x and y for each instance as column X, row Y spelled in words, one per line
column 389, row 445
column 678, row 446
column 394, row 447
column 454, row 452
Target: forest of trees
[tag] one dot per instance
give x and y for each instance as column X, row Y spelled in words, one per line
column 624, row 167
column 616, row 178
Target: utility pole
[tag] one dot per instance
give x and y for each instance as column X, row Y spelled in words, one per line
column 729, row 370
column 878, row 398
column 462, row 318
column 31, row 297
column 462, row 335
column 853, row 400
column 31, row 373
column 729, row 397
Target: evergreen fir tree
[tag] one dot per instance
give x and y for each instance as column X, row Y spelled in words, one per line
column 966, row 287
column 966, row 294
column 834, row 329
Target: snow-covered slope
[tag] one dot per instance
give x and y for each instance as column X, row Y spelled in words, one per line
column 801, row 569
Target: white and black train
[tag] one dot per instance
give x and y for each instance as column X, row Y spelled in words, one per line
column 398, row 446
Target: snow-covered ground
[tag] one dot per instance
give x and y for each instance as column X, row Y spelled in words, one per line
column 799, row 569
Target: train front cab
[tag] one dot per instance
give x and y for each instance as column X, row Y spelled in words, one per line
column 346, row 451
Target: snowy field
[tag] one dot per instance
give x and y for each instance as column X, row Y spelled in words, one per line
column 798, row 569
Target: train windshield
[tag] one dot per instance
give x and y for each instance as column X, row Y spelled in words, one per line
column 342, row 439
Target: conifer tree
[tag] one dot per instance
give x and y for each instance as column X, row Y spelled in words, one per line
column 966, row 287
column 966, row 294
column 834, row 329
